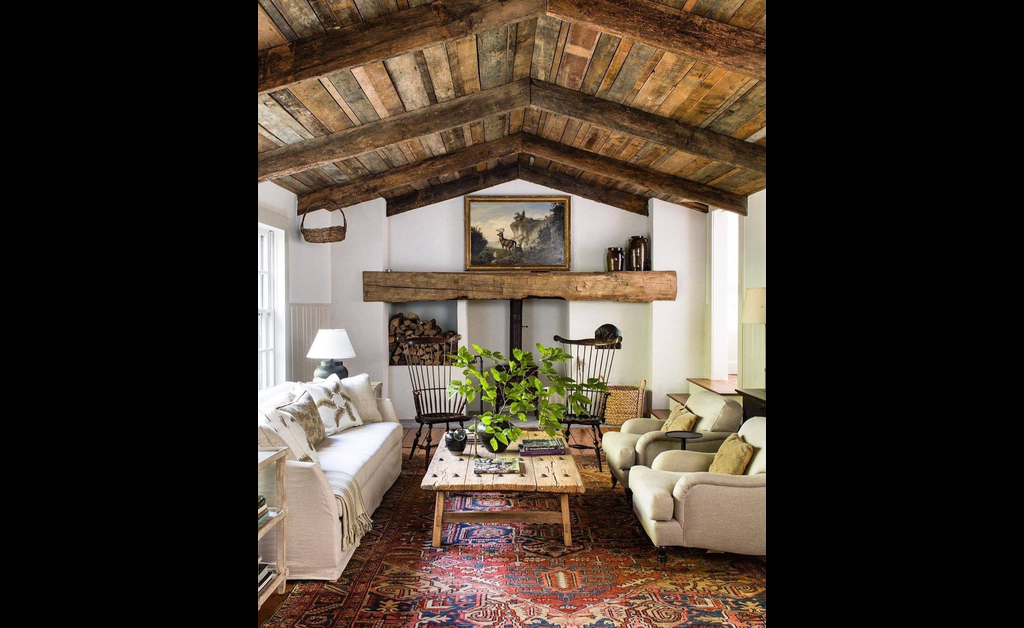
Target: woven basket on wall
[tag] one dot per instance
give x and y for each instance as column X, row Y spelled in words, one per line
column 324, row 235
column 625, row 403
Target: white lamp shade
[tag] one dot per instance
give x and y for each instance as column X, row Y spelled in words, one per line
column 754, row 308
column 331, row 344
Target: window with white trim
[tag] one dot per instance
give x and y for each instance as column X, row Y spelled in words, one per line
column 265, row 285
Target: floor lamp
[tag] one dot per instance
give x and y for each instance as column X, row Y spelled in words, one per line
column 754, row 313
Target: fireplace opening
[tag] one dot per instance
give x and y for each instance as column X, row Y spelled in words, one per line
column 402, row 327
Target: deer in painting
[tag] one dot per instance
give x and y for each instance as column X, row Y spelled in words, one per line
column 508, row 245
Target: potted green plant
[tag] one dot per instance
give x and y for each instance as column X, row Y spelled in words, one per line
column 513, row 388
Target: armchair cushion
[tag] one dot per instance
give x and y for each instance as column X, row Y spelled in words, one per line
column 652, row 493
column 717, row 414
column 684, row 461
column 733, row 456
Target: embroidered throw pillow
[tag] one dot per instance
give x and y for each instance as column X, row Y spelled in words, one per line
column 304, row 410
column 337, row 413
column 291, row 432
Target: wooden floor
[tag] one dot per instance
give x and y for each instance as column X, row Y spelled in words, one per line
column 581, row 436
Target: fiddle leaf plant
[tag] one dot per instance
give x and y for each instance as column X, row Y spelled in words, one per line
column 513, row 388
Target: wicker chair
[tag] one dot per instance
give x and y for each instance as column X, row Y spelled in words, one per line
column 591, row 359
column 430, row 370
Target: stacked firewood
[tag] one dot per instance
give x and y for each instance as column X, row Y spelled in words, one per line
column 402, row 328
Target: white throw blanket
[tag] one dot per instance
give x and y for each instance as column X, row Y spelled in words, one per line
column 355, row 521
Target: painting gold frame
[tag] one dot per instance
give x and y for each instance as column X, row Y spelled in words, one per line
column 525, row 244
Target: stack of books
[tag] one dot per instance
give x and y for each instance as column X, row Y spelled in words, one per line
column 264, row 575
column 542, row 447
column 262, row 512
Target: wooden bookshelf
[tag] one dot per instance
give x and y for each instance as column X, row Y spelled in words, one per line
column 276, row 522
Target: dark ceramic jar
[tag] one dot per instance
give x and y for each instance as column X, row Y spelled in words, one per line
column 637, row 260
column 616, row 259
column 455, row 441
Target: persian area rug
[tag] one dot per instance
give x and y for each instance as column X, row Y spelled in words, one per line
column 522, row 576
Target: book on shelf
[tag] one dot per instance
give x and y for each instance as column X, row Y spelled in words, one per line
column 265, row 580
column 265, row 518
column 261, row 501
column 261, row 569
column 495, row 466
column 262, row 511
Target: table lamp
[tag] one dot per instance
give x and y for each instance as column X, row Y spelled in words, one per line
column 332, row 346
column 754, row 313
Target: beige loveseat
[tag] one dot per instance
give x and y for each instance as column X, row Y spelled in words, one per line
column 680, row 504
column 641, row 440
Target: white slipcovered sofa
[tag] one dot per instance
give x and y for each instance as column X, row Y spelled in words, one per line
column 370, row 453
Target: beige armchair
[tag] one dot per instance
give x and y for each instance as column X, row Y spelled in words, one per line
column 641, row 440
column 680, row 504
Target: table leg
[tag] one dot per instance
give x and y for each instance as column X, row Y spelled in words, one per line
column 438, row 517
column 682, row 444
column 566, row 528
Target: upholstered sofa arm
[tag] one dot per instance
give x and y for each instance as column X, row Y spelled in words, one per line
column 684, row 462
column 691, row 481
column 387, row 410
column 641, row 426
column 713, row 437
column 653, row 444
column 314, row 530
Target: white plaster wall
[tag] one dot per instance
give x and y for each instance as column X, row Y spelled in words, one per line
column 663, row 342
column 309, row 265
column 678, row 327
column 364, row 248
column 754, row 274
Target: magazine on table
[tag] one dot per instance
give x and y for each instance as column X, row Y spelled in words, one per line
column 495, row 466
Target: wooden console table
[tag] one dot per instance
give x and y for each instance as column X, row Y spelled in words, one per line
column 755, row 402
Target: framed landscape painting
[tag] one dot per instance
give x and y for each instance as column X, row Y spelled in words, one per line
column 517, row 233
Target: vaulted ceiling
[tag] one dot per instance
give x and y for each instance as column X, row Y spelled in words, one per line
column 419, row 101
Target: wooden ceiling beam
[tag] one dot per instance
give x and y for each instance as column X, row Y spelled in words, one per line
column 366, row 188
column 385, row 37
column 625, row 171
column 571, row 185
column 613, row 116
column 674, row 30
column 401, row 128
column 466, row 185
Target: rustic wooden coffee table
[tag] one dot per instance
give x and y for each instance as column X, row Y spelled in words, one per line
column 450, row 473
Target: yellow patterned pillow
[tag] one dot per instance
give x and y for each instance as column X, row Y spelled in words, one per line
column 733, row 457
column 681, row 420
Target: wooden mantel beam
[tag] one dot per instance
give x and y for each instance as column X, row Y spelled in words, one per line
column 625, row 287
column 403, row 127
column 385, row 37
column 467, row 184
column 613, row 116
column 366, row 188
column 625, row 171
column 674, row 30
column 571, row 185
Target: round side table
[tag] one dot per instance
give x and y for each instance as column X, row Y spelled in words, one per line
column 683, row 437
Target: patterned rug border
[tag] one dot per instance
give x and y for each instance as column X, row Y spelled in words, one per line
column 522, row 576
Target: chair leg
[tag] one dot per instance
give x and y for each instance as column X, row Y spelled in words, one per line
column 662, row 556
column 615, row 480
column 416, row 443
column 430, row 441
column 597, row 447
